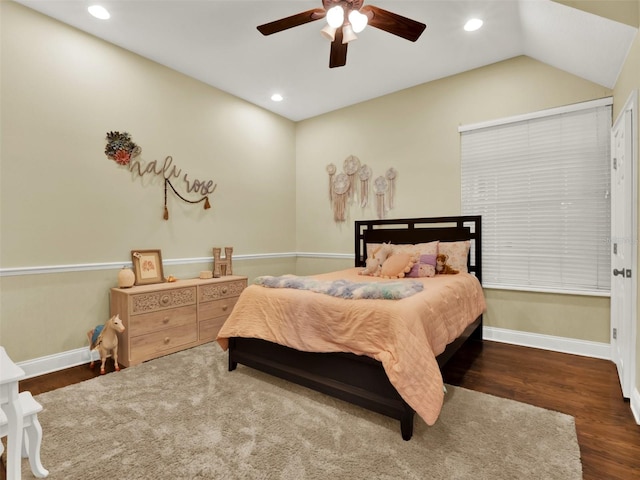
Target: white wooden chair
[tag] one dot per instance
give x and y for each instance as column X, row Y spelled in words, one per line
column 32, row 433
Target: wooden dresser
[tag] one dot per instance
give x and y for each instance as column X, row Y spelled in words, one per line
column 167, row 317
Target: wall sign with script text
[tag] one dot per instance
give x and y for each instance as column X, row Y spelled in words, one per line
column 121, row 149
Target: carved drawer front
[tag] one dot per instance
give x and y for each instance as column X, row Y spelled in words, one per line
column 160, row 300
column 217, row 308
column 209, row 328
column 162, row 319
column 215, row 291
column 144, row 347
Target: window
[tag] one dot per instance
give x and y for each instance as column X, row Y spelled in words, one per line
column 541, row 184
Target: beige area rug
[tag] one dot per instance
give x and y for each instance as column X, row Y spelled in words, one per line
column 184, row 416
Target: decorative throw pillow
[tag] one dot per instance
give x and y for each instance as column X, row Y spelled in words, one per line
column 397, row 265
column 457, row 254
column 430, row 248
column 425, row 267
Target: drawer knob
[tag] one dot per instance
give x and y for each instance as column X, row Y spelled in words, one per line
column 165, row 320
column 225, row 289
column 165, row 299
column 224, row 308
column 167, row 340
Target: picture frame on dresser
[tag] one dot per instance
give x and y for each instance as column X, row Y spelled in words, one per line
column 147, row 266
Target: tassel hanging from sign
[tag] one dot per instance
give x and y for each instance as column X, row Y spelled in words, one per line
column 340, row 194
column 380, row 186
column 205, row 199
column 166, row 210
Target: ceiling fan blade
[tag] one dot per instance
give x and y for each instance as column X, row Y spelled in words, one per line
column 338, row 55
column 292, row 21
column 393, row 23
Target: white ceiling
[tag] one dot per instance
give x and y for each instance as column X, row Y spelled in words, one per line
column 216, row 42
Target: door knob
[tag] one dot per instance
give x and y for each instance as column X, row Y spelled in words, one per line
column 618, row 272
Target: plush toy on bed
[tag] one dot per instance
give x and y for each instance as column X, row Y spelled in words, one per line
column 442, row 268
column 377, row 258
column 397, row 265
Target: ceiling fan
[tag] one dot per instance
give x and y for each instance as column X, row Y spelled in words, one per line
column 345, row 18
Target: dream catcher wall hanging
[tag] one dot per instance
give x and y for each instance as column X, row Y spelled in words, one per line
column 344, row 188
column 351, row 167
column 391, row 183
column 331, row 170
column 365, row 174
column 341, row 189
column 380, row 187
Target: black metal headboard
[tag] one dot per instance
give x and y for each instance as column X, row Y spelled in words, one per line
column 422, row 230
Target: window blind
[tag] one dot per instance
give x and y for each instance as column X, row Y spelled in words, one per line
column 542, row 188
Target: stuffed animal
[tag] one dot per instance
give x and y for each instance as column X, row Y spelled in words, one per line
column 377, row 258
column 442, row 268
column 397, row 265
column 104, row 339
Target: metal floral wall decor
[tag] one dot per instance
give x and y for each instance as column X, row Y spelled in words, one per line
column 122, row 150
column 344, row 187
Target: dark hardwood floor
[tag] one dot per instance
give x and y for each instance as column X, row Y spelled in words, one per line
column 586, row 388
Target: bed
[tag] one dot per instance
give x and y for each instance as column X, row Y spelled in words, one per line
column 400, row 373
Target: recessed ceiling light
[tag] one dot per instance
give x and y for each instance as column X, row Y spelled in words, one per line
column 99, row 12
column 473, row 25
column 276, row 97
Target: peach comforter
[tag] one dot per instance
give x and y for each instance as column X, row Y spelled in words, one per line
column 404, row 335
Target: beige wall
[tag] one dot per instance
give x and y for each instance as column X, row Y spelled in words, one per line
column 416, row 132
column 628, row 81
column 623, row 11
column 64, row 203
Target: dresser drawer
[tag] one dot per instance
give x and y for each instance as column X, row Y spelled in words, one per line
column 162, row 319
column 216, row 308
column 161, row 300
column 153, row 344
column 209, row 328
column 215, row 291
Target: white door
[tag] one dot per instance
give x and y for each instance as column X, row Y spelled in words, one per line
column 624, row 241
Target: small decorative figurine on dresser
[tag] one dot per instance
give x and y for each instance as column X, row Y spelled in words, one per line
column 126, row 278
column 104, row 339
column 222, row 266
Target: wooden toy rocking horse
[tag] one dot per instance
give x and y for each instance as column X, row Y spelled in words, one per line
column 104, row 339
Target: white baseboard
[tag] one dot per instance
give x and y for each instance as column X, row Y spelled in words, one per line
column 548, row 342
column 57, row 361
column 635, row 405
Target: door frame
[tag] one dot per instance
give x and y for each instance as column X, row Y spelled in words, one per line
column 628, row 384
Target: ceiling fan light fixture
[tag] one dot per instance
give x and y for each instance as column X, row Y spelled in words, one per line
column 328, row 32
column 473, row 25
column 347, row 34
column 335, row 16
column 358, row 21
